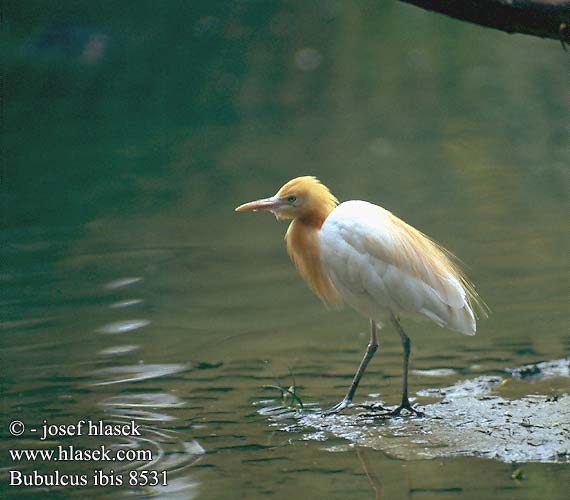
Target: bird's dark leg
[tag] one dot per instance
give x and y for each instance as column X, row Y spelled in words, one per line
column 370, row 350
column 406, row 345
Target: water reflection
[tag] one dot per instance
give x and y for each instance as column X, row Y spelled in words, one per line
column 368, row 467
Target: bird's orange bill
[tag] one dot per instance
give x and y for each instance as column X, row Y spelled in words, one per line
column 263, row 204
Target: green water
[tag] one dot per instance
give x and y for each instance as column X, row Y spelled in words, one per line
column 131, row 290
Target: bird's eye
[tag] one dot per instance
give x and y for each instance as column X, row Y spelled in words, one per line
column 291, row 199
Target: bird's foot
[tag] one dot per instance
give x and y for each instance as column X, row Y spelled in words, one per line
column 406, row 405
column 341, row 405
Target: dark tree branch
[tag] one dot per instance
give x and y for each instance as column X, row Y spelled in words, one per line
column 544, row 18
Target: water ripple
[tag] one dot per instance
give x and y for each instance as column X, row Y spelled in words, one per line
column 169, row 452
column 153, row 400
column 124, row 326
column 133, row 373
column 123, row 282
column 121, row 304
column 119, row 350
column 132, row 406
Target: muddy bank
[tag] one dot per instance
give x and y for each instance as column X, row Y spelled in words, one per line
column 468, row 418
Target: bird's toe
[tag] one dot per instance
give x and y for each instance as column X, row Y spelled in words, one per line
column 375, row 407
column 341, row 405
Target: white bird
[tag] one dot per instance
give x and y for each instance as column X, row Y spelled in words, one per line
column 365, row 256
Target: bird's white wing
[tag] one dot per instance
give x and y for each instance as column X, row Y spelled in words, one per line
column 380, row 264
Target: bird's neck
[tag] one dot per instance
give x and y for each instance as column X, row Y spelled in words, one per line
column 302, row 239
column 314, row 218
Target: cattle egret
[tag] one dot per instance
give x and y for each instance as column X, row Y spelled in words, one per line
column 363, row 255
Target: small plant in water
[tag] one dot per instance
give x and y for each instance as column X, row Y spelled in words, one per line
column 289, row 396
column 517, row 475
